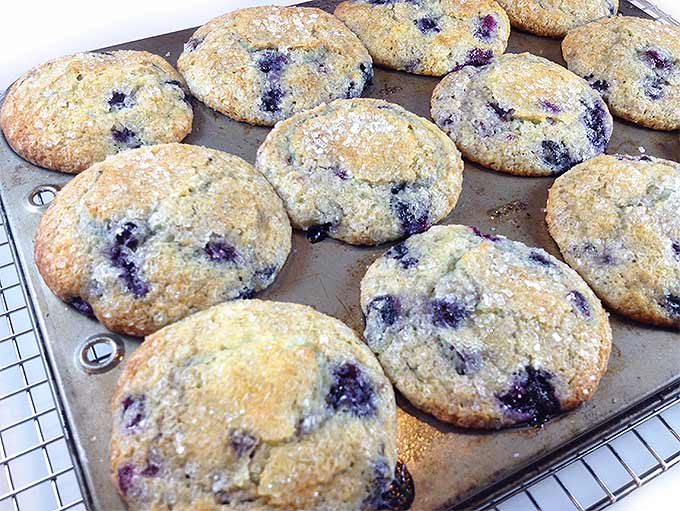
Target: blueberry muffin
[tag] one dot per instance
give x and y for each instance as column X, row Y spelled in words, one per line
column 429, row 37
column 481, row 331
column 263, row 64
column 615, row 219
column 522, row 114
column 256, row 406
column 71, row 112
column 364, row 171
column 154, row 234
column 634, row 63
column 553, row 18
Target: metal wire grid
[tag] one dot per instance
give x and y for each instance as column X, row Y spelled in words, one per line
column 37, row 469
column 605, row 471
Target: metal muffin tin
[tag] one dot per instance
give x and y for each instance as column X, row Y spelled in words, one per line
column 449, row 465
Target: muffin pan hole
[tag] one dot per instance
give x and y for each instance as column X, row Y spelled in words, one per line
column 41, row 196
column 100, row 353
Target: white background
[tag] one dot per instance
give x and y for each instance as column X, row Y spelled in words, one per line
column 33, row 31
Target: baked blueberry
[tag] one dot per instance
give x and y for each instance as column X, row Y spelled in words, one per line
column 133, row 412
column 531, row 397
column 219, row 251
column 449, row 312
column 351, row 391
column 387, row 308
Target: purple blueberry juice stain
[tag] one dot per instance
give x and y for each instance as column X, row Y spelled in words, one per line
column 318, row 232
column 219, row 251
column 413, row 216
column 340, row 173
column 133, row 412
column 654, row 87
column 242, row 442
column 556, row 156
column 595, row 120
column 671, row 302
column 271, row 99
column 465, row 362
column 476, row 57
column 126, row 476
column 366, row 69
column 246, row 294
column 486, row 236
column 504, row 114
column 449, row 312
column 81, row 306
column 579, row 303
column 400, row 252
column 486, row 27
column 271, row 61
column 265, row 274
column 601, row 86
column 386, row 307
column 125, row 137
column 549, row 106
column 151, row 470
column 395, row 494
column 121, row 254
column 351, row 391
column 118, row 101
column 658, row 60
column 675, row 248
column 530, row 397
column 540, row 258
column 427, row 25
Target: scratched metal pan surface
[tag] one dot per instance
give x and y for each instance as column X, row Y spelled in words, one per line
column 447, row 463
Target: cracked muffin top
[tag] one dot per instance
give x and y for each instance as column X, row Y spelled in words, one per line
column 554, row 18
column 153, row 234
column 522, row 114
column 634, row 63
column 256, row 405
column 71, row 112
column 482, row 331
column 263, row 64
column 615, row 219
column 364, row 171
column 429, row 37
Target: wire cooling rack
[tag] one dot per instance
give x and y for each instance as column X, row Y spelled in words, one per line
column 40, row 473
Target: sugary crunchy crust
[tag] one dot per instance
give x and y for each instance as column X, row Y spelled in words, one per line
column 468, row 313
column 615, row 221
column 351, row 163
column 634, row 63
column 522, row 114
column 62, row 115
column 316, row 59
column 262, row 370
column 153, row 234
column 554, row 18
column 451, row 30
